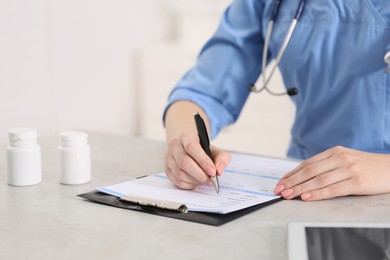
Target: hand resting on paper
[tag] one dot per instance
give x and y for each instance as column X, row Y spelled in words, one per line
column 336, row 172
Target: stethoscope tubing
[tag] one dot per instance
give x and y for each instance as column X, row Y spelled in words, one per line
column 266, row 79
column 286, row 41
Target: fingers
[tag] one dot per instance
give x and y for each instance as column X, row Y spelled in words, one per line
column 333, row 173
column 343, row 188
column 179, row 183
column 195, row 154
column 320, row 184
column 179, row 174
column 319, row 157
column 184, row 171
column 187, row 164
column 307, row 172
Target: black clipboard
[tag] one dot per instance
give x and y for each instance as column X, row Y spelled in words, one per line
column 198, row 217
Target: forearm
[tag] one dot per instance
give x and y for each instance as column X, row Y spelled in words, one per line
column 180, row 118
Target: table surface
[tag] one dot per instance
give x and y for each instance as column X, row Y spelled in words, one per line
column 48, row 220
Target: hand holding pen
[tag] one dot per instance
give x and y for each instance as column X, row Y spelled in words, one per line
column 187, row 165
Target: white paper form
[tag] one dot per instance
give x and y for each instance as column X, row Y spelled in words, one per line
column 249, row 180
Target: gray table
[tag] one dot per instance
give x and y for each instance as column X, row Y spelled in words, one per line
column 48, row 221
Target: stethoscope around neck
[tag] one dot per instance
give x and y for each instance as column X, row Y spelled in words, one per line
column 265, row 80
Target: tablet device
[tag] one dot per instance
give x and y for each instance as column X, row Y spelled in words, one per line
column 338, row 240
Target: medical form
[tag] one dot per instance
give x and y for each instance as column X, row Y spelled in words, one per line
column 249, row 180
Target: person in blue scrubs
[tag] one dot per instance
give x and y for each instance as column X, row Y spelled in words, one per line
column 336, row 60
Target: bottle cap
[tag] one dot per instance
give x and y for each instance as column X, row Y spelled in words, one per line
column 22, row 135
column 71, row 138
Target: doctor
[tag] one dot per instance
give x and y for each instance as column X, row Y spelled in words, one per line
column 332, row 52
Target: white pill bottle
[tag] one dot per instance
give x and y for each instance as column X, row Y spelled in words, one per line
column 23, row 157
column 74, row 158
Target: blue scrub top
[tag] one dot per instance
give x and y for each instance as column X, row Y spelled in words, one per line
column 334, row 58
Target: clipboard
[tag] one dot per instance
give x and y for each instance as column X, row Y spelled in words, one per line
column 212, row 219
column 247, row 185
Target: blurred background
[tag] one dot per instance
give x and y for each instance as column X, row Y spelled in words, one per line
column 108, row 66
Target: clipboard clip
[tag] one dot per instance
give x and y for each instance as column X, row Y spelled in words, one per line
column 156, row 203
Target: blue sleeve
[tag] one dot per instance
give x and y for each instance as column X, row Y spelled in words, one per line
column 228, row 63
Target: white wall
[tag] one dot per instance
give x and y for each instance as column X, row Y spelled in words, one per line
column 108, row 66
column 70, row 64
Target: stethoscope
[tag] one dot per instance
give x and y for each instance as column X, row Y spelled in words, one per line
column 386, row 59
column 265, row 80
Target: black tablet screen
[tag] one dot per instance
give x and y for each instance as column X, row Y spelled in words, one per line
column 324, row 243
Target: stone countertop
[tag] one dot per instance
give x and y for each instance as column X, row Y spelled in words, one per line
column 49, row 221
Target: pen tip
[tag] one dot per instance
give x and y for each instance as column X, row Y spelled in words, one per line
column 215, row 182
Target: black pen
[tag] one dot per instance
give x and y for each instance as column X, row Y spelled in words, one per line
column 205, row 143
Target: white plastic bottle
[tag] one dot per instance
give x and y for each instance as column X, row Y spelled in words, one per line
column 23, row 157
column 74, row 158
